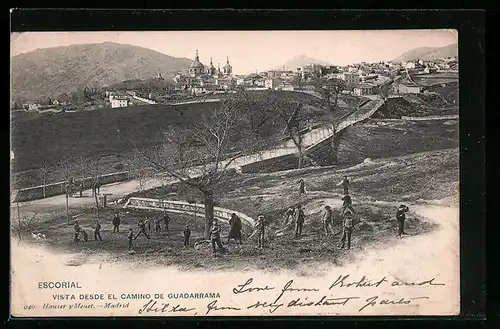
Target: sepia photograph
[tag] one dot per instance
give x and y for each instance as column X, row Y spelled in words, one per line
column 235, row 173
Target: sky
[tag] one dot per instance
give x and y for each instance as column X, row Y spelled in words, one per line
column 251, row 51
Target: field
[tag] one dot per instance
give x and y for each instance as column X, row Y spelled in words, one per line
column 431, row 175
column 107, row 134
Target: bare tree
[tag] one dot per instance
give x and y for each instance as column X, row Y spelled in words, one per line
column 255, row 111
column 95, row 173
column 137, row 169
column 25, row 225
column 292, row 115
column 201, row 155
column 82, row 173
column 67, row 170
column 43, row 172
column 331, row 89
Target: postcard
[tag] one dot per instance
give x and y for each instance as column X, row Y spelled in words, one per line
column 235, row 173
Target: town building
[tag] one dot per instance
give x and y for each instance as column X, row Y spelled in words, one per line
column 364, row 89
column 408, row 87
column 351, row 78
column 119, row 101
column 272, row 83
column 32, row 107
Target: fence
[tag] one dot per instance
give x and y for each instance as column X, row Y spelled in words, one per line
column 186, row 208
column 34, row 193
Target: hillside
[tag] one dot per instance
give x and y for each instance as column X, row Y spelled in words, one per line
column 429, row 53
column 50, row 72
column 301, row 60
column 107, row 134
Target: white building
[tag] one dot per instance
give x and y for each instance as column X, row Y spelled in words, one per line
column 363, row 89
column 119, row 102
column 272, row 83
column 351, row 78
column 408, row 88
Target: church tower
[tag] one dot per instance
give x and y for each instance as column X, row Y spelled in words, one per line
column 196, row 68
column 227, row 69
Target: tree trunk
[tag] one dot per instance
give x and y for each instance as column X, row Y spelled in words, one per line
column 67, row 207
column 301, row 159
column 96, row 198
column 44, row 182
column 209, row 212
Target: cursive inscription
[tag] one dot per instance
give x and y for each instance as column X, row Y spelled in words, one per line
column 375, row 300
column 361, row 283
column 423, row 283
column 243, row 288
column 324, row 301
column 212, row 306
column 153, row 307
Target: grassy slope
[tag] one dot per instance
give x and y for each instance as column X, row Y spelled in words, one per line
column 52, row 138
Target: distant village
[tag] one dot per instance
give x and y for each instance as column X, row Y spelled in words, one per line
column 362, row 79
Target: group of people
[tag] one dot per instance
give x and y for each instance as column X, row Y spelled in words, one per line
column 293, row 214
column 144, row 228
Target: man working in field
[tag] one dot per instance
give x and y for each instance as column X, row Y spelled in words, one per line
column 187, row 234
column 348, row 225
column 97, row 230
column 302, row 187
column 345, row 185
column 300, row 221
column 235, row 232
column 401, row 217
column 289, row 213
column 116, row 222
column 157, row 225
column 166, row 220
column 142, row 229
column 259, row 230
column 328, row 220
column 215, row 237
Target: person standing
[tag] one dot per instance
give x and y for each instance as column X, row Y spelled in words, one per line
column 401, row 217
column 77, row 231
column 302, row 187
column 148, row 224
column 215, row 237
column 235, row 232
column 348, row 225
column 97, row 230
column 142, row 229
column 116, row 222
column 157, row 225
column 289, row 213
column 345, row 185
column 187, row 234
column 328, row 220
column 166, row 220
column 259, row 229
column 130, row 237
column 300, row 221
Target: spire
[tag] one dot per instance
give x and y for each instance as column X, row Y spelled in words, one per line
column 218, row 67
column 210, row 60
column 228, row 59
column 197, row 58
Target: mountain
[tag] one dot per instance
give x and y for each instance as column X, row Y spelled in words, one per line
column 301, row 60
column 50, row 72
column 429, row 53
